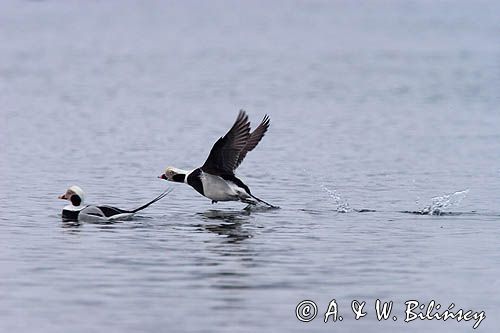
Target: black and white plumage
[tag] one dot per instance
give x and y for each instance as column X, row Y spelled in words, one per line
column 215, row 179
column 78, row 210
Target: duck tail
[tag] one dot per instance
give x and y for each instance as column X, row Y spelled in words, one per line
column 161, row 196
column 262, row 201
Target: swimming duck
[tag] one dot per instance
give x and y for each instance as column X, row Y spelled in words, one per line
column 78, row 209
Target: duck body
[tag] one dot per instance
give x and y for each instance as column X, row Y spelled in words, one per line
column 71, row 212
column 219, row 187
column 91, row 212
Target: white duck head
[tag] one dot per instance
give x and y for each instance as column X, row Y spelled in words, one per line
column 174, row 175
column 75, row 195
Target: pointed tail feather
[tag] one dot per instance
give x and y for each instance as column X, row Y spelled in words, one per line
column 161, row 196
column 262, row 201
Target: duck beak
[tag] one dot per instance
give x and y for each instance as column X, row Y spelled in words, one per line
column 163, row 177
column 62, row 196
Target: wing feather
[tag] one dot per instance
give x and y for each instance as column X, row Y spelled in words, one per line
column 224, row 156
column 254, row 139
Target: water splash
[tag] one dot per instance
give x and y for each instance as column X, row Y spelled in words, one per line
column 447, row 200
column 342, row 204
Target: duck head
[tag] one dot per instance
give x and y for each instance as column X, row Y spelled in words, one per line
column 74, row 194
column 174, row 175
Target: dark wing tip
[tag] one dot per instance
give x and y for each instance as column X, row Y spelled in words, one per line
column 266, row 120
column 240, row 130
column 242, row 115
column 262, row 128
column 254, row 139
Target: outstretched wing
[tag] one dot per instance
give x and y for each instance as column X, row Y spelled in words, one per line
column 223, row 158
column 254, row 139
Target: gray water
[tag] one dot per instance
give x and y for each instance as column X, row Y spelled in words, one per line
column 385, row 107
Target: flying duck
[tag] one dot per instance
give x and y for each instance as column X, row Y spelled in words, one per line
column 215, row 179
column 78, row 210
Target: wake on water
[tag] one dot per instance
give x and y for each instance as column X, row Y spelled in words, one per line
column 341, row 203
column 436, row 207
column 438, row 204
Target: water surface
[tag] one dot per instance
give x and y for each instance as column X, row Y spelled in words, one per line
column 375, row 106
